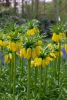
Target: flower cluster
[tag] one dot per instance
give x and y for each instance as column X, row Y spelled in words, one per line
column 31, row 46
column 58, row 37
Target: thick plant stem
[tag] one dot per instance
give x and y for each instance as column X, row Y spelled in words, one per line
column 29, row 78
column 54, row 68
column 1, row 51
column 14, row 76
column 35, row 82
column 11, row 71
column 41, row 82
column 55, row 65
column 9, row 65
column 21, row 64
column 11, row 74
column 0, row 70
column 59, row 63
column 0, row 65
column 45, row 82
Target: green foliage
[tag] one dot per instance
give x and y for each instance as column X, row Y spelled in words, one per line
column 58, row 28
column 52, row 91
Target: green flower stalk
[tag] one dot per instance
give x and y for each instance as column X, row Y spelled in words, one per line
column 29, row 79
column 1, row 51
column 41, row 71
column 45, row 80
column 36, row 72
column 54, row 68
column 21, row 65
column 11, row 74
column 10, row 78
column 59, row 64
column 0, row 68
column 14, row 76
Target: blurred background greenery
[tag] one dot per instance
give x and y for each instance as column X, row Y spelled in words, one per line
column 18, row 12
column 40, row 9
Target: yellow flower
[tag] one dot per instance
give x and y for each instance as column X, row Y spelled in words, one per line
column 37, row 62
column 53, row 55
column 66, row 47
column 49, row 58
column 32, row 32
column 39, row 43
column 8, row 58
column 1, row 43
column 34, row 55
column 29, row 53
column 13, row 46
column 32, row 63
column 38, row 50
column 20, row 44
column 59, row 54
column 46, row 61
column 56, row 38
column 62, row 35
column 50, row 45
column 23, row 53
column 36, row 30
column 5, row 43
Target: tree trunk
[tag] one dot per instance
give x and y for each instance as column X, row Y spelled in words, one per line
column 36, row 8
column 44, row 8
column 57, row 9
column 32, row 8
column 7, row 3
column 22, row 7
column 15, row 5
column 32, row 5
